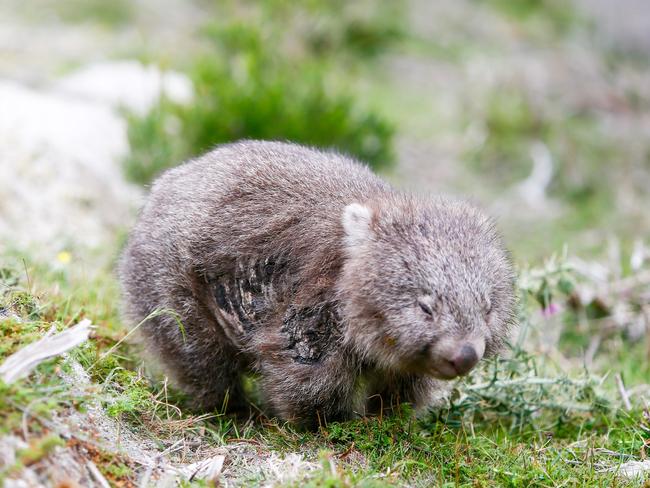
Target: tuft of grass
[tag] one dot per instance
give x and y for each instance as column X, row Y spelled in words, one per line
column 39, row 448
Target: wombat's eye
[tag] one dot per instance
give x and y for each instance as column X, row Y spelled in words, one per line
column 488, row 306
column 426, row 308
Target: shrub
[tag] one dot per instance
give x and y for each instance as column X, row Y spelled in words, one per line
column 249, row 89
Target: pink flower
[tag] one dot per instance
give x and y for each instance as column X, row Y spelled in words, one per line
column 550, row 310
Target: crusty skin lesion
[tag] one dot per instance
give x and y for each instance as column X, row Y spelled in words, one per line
column 312, row 333
column 248, row 297
column 305, row 268
column 249, row 293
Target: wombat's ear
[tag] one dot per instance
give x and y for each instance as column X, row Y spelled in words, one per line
column 356, row 223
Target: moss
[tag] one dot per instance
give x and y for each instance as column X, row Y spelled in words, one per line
column 38, row 449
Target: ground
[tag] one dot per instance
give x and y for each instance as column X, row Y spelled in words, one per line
column 539, row 113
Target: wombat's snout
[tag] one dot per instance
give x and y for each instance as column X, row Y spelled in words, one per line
column 457, row 358
column 464, row 359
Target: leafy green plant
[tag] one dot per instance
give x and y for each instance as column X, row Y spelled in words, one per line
column 249, row 89
column 511, row 390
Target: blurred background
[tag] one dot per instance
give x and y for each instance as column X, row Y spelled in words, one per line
column 539, row 110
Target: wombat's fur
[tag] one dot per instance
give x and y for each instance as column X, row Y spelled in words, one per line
column 306, row 268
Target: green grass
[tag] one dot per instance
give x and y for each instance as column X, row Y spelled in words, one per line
column 280, row 69
column 518, row 421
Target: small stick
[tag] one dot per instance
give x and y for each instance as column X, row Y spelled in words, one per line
column 594, row 344
column 240, row 439
column 623, row 392
column 97, row 475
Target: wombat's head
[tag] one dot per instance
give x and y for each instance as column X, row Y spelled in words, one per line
column 427, row 286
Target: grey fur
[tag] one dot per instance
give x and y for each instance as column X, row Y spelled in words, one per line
column 261, row 250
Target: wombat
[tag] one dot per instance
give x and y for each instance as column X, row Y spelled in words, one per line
column 305, row 268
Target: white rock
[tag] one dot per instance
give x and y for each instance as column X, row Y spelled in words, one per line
column 61, row 152
column 633, row 469
column 127, row 84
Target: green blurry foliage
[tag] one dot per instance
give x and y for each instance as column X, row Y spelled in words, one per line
column 323, row 29
column 259, row 82
column 558, row 16
column 364, row 28
column 115, row 13
column 581, row 151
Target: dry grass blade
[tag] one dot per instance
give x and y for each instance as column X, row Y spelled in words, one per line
column 21, row 363
column 624, row 394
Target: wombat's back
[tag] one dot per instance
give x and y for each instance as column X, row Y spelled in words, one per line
column 239, row 203
column 249, row 197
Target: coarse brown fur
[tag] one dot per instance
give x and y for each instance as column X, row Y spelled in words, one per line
column 306, row 268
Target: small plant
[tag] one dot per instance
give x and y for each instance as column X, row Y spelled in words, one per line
column 513, row 391
column 39, row 448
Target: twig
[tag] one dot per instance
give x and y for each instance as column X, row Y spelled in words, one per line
column 171, row 448
column 347, row 452
column 97, row 475
column 623, row 392
column 500, row 384
column 247, row 441
column 29, row 281
column 22, row 362
column 591, row 351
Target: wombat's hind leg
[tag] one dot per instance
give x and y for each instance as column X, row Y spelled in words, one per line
column 216, row 392
column 210, row 376
column 422, row 392
column 308, row 396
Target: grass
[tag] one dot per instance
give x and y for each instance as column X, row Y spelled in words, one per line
column 518, row 421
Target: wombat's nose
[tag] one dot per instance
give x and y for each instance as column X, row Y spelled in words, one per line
column 465, row 359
